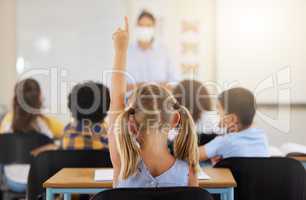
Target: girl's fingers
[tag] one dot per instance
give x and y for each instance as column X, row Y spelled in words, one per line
column 126, row 27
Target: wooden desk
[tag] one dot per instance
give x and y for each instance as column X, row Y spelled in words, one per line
column 81, row 181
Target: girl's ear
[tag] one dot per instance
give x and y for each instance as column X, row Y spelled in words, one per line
column 176, row 120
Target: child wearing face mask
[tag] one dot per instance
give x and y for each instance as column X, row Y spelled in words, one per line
column 138, row 136
column 237, row 106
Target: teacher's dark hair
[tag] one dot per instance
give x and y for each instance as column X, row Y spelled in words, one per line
column 147, row 14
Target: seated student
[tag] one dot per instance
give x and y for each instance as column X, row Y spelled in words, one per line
column 89, row 103
column 138, row 141
column 22, row 120
column 18, row 119
column 194, row 96
column 237, row 106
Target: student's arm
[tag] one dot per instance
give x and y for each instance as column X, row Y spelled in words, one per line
column 118, row 90
column 193, row 179
column 212, row 149
column 56, row 127
column 202, row 153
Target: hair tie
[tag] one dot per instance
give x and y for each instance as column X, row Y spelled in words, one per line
column 131, row 111
column 176, row 106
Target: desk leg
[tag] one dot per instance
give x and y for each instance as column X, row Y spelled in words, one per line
column 304, row 164
column 223, row 196
column 67, row 196
column 230, row 194
column 50, row 194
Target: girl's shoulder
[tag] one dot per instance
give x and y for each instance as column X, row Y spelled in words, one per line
column 181, row 165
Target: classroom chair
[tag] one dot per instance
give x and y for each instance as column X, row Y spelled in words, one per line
column 204, row 138
column 48, row 163
column 15, row 148
column 267, row 178
column 175, row 193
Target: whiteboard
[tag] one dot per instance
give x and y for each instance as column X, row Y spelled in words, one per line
column 71, row 40
column 261, row 44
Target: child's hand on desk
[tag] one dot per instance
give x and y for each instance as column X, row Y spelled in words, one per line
column 121, row 38
column 215, row 160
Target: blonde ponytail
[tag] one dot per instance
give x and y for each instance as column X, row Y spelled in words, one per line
column 128, row 148
column 186, row 142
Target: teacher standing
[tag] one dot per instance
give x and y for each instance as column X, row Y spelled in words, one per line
column 149, row 61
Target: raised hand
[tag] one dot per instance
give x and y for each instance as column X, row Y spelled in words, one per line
column 121, row 37
column 118, row 89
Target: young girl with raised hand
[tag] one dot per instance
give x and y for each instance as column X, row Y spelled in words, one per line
column 138, row 134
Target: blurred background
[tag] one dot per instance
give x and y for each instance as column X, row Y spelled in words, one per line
column 258, row 44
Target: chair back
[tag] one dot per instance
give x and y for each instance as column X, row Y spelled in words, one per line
column 16, row 147
column 267, row 178
column 175, row 193
column 48, row 163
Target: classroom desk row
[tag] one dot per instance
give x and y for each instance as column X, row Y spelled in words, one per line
column 70, row 181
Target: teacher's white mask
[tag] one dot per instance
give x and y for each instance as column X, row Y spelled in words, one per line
column 145, row 34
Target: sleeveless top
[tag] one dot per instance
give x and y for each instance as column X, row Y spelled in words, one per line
column 176, row 176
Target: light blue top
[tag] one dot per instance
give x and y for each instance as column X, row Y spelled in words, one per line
column 176, row 176
column 150, row 65
column 251, row 142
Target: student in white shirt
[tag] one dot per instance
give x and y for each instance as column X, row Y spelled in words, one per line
column 237, row 106
column 195, row 97
column 147, row 60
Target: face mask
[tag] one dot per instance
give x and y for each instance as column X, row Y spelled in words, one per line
column 144, row 34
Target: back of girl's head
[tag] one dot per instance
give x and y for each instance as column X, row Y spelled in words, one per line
column 89, row 101
column 194, row 96
column 26, row 105
column 154, row 107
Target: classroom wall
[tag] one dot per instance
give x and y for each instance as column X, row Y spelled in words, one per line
column 262, row 45
column 170, row 13
column 7, row 49
column 205, row 10
column 66, row 42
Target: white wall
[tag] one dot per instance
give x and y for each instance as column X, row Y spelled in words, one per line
column 7, row 50
column 70, row 35
column 256, row 40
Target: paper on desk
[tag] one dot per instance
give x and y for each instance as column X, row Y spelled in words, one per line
column 202, row 175
column 107, row 175
column 104, row 174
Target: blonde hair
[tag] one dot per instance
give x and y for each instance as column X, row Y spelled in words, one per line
column 153, row 106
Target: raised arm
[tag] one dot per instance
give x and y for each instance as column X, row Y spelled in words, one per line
column 118, row 90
